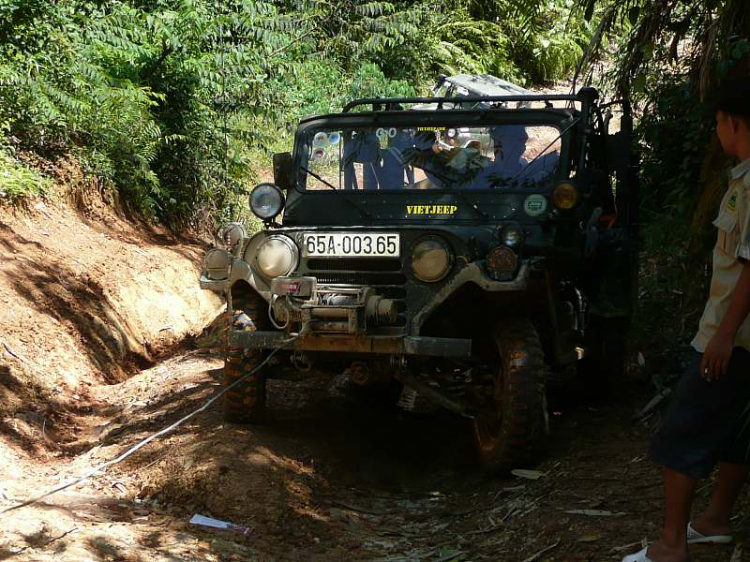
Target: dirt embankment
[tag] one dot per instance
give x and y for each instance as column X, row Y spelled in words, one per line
column 88, row 297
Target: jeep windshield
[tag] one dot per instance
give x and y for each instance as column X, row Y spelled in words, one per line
column 494, row 157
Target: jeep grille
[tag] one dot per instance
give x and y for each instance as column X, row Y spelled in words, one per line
column 383, row 275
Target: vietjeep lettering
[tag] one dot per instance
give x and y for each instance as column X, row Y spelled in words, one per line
column 431, row 209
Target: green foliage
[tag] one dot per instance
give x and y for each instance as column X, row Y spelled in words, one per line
column 675, row 130
column 669, row 57
column 321, row 86
column 474, row 47
column 18, row 181
column 172, row 102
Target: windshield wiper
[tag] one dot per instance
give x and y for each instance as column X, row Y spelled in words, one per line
column 553, row 141
column 339, row 191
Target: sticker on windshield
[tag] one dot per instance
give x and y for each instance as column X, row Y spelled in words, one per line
column 444, row 210
column 320, row 140
column 535, row 205
column 381, row 133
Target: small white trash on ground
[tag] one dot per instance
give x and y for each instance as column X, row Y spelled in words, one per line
column 204, row 521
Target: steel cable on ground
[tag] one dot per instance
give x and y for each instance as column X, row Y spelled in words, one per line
column 148, row 439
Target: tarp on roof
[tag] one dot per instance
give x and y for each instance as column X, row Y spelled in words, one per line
column 487, row 85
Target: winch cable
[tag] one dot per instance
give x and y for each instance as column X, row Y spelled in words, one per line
column 150, row 438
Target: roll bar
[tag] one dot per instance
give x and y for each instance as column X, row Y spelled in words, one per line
column 585, row 94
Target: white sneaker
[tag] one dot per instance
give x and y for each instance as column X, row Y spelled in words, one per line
column 638, row 557
column 694, row 537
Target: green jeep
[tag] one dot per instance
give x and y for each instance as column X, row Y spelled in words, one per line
column 461, row 255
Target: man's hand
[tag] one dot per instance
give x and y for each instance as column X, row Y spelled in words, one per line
column 716, row 357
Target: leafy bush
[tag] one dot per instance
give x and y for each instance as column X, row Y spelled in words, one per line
column 18, row 181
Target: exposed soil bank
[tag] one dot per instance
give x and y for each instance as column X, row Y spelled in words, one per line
column 86, row 299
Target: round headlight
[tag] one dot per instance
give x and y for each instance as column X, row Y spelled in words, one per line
column 277, row 256
column 511, row 235
column 431, row 260
column 266, row 201
column 565, row 196
column 216, row 264
column 231, row 234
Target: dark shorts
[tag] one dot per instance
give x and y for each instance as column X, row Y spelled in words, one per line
column 707, row 422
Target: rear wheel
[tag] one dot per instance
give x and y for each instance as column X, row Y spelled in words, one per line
column 246, row 402
column 511, row 424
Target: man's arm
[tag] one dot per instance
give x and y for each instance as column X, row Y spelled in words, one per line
column 719, row 350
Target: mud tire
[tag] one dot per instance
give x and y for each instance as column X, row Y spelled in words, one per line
column 246, row 402
column 513, row 438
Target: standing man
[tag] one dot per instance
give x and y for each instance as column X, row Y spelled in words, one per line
column 709, row 419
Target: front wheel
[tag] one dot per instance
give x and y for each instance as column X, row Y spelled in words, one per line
column 511, row 423
column 246, row 402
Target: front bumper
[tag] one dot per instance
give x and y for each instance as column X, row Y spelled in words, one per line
column 215, row 285
column 375, row 345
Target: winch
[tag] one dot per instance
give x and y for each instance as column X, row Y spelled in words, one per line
column 328, row 308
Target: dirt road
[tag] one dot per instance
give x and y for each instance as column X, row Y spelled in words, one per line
column 331, row 477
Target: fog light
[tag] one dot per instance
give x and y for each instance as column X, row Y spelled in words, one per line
column 231, row 234
column 501, row 262
column 216, row 264
column 565, row 196
column 431, row 260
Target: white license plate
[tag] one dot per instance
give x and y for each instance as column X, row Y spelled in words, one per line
column 342, row 245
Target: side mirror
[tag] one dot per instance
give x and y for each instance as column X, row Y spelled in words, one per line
column 282, row 170
column 439, row 84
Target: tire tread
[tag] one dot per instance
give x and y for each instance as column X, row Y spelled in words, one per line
column 522, row 428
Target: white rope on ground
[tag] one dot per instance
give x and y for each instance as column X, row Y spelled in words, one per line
column 148, row 439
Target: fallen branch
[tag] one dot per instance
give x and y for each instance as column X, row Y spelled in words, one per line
column 12, row 353
column 596, row 512
column 653, row 403
column 46, row 543
column 542, row 552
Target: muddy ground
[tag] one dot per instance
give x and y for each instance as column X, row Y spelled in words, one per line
column 333, row 477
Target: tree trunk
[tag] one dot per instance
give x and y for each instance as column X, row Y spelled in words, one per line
column 711, row 189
